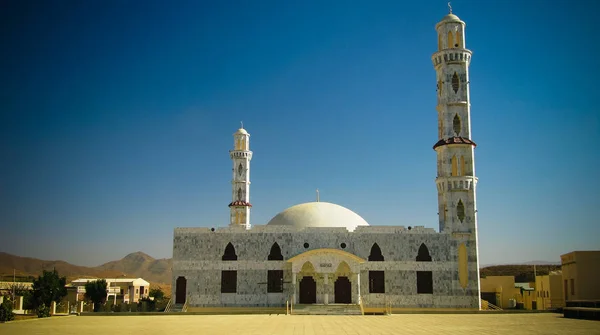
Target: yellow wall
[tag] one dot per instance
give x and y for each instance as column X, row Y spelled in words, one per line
column 581, row 270
column 504, row 286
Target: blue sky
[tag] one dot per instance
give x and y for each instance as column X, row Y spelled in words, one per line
column 116, row 119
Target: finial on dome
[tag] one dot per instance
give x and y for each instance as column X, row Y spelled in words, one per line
column 317, row 195
column 449, row 7
column 242, row 122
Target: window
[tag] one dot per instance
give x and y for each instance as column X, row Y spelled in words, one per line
column 450, row 40
column 275, row 281
column 423, row 254
column 572, row 286
column 228, row 281
column 424, row 282
column 460, row 211
column 275, row 254
column 375, row 255
column 455, row 83
column 229, row 254
column 376, row 282
column 137, row 291
column 424, row 278
column 456, row 125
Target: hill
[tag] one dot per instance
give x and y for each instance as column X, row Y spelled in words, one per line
column 137, row 264
column 522, row 273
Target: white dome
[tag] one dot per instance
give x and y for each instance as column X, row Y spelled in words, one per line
column 318, row 214
column 241, row 131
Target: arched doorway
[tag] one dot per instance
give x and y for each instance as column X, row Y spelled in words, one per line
column 343, row 291
column 180, row 290
column 308, row 290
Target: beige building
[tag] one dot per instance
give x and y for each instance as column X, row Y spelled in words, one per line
column 545, row 293
column 127, row 290
column 580, row 270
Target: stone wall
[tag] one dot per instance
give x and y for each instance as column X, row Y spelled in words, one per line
column 197, row 256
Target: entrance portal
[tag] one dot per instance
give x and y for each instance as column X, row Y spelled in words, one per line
column 343, row 291
column 180, row 293
column 308, row 290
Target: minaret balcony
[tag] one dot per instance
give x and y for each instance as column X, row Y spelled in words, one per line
column 456, row 184
column 451, row 56
column 240, row 154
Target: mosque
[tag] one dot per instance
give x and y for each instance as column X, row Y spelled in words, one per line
column 323, row 253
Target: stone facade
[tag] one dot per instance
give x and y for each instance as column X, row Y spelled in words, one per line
column 328, row 260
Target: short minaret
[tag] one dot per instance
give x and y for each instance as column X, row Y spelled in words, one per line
column 456, row 181
column 240, row 184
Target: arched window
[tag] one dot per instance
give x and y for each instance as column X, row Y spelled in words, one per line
column 424, row 278
column 456, row 125
column 460, row 210
column 239, row 194
column 275, row 254
column 240, row 170
column 462, row 166
column 229, row 254
column 450, row 40
column 459, row 39
column 455, row 82
column 423, row 255
column 375, row 255
column 454, row 166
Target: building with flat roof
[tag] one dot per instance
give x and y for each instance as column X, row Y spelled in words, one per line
column 580, row 270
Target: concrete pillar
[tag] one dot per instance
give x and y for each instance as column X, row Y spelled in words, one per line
column 294, row 280
column 80, row 307
column 326, row 288
column 53, row 308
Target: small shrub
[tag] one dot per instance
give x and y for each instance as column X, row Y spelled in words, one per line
column 6, row 311
column 43, row 311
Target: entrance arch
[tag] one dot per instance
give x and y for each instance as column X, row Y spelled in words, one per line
column 308, row 290
column 180, row 290
column 343, row 291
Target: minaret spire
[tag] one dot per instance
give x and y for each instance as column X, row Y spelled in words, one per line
column 449, row 8
column 240, row 183
column 317, row 195
column 456, row 182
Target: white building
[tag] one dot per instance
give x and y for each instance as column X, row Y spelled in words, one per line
column 324, row 253
column 127, row 290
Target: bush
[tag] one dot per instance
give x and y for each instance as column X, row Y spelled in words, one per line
column 6, row 311
column 43, row 311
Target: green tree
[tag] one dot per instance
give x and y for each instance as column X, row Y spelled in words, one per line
column 6, row 311
column 47, row 288
column 96, row 292
column 157, row 293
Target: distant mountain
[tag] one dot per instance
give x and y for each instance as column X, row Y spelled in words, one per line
column 139, row 264
column 134, row 265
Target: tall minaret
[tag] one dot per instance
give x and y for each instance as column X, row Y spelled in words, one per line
column 456, row 181
column 240, row 184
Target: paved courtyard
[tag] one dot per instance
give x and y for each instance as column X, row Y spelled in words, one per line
column 281, row 324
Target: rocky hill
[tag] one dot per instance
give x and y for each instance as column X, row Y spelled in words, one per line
column 522, row 273
column 137, row 264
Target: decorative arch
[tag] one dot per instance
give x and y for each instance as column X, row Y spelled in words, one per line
column 423, row 255
column 375, row 255
column 343, row 269
column 456, row 125
column 454, row 166
column 239, row 194
column 275, row 254
column 307, row 267
column 455, row 82
column 229, row 254
column 240, row 169
column 460, row 210
column 450, row 40
column 463, row 168
column 459, row 39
